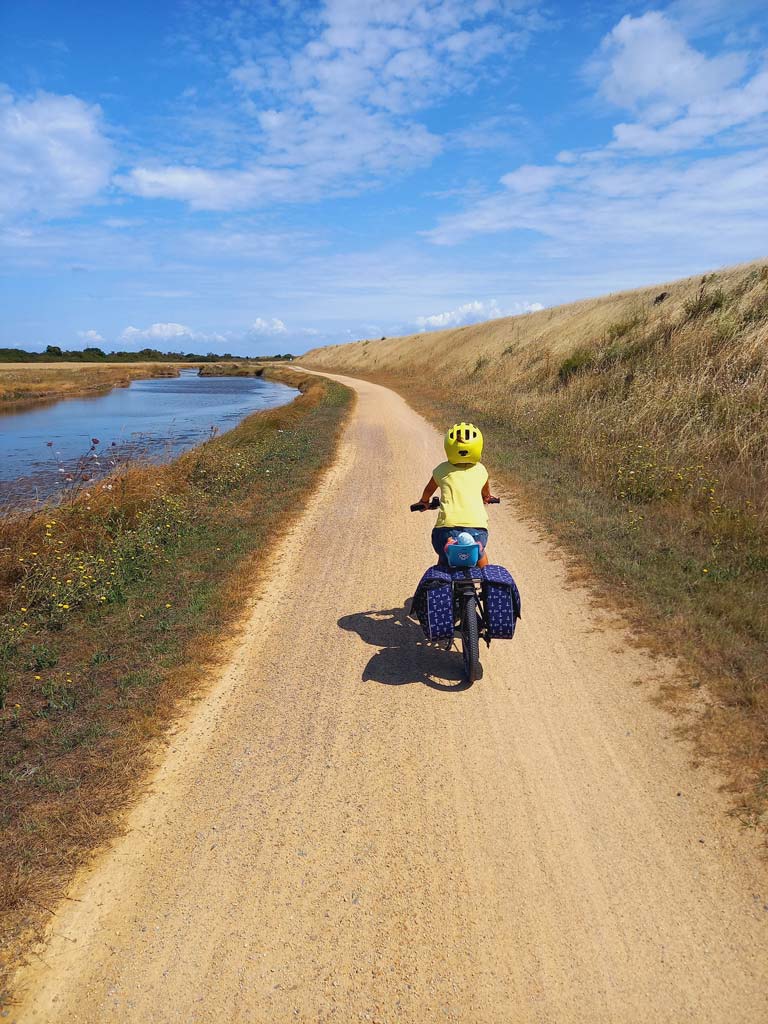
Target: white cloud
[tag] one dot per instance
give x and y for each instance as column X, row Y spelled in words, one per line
column 691, row 195
column 208, row 189
column 340, row 110
column 157, row 332
column 718, row 205
column 679, row 96
column 472, row 313
column 91, row 337
column 704, row 119
column 269, row 327
column 168, row 334
column 529, row 178
column 647, row 63
column 54, row 155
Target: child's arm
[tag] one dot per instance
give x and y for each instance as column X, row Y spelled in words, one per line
column 487, row 496
column 428, row 491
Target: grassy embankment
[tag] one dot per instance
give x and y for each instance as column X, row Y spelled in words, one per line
column 111, row 603
column 24, row 384
column 636, row 427
column 239, row 368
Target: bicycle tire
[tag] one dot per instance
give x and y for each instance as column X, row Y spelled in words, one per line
column 470, row 638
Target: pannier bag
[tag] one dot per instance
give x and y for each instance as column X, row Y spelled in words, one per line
column 502, row 601
column 433, row 604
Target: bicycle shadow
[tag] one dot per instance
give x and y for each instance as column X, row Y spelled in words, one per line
column 404, row 656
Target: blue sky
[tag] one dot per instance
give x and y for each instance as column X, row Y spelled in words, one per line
column 261, row 177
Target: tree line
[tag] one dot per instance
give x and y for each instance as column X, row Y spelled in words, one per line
column 56, row 354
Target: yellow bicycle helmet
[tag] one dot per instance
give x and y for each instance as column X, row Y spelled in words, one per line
column 463, row 444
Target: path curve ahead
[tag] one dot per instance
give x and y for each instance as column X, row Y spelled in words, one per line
column 341, row 833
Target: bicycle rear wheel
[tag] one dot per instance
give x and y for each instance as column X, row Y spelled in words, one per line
column 470, row 637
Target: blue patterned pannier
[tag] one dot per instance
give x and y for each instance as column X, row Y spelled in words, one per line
column 502, row 601
column 433, row 604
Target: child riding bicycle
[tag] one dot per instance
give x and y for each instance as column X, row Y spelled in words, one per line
column 464, row 492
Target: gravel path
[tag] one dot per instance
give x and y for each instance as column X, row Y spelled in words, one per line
column 342, row 832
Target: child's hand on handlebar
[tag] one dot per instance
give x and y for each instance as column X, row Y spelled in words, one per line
column 423, row 506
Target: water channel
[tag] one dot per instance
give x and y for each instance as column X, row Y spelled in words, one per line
column 41, row 448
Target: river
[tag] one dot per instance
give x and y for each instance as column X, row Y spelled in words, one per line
column 43, row 448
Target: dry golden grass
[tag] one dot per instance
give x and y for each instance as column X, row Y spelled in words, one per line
column 241, row 368
column 28, row 383
column 637, row 426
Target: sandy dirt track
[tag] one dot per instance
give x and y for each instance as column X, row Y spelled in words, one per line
column 342, row 832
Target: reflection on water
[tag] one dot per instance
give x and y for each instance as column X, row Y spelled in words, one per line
column 43, row 447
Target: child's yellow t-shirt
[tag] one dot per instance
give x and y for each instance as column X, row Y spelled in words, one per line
column 461, row 495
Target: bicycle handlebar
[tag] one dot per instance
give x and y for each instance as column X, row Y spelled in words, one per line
column 435, row 503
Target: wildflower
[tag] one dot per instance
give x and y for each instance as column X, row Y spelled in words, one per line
column 705, row 570
column 167, row 606
column 38, row 677
column 23, row 609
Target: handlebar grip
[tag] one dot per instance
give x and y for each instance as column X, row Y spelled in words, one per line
column 420, row 507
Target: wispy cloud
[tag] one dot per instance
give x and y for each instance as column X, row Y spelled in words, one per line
column 341, row 110
column 603, row 198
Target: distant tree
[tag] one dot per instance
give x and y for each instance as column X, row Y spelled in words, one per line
column 94, row 353
column 53, row 350
column 16, row 355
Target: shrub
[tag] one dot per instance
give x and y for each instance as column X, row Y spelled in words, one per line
column 704, row 303
column 579, row 361
column 621, row 328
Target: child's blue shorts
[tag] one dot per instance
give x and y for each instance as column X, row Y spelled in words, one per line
column 442, row 534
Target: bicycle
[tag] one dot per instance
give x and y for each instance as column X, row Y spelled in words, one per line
column 470, row 610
